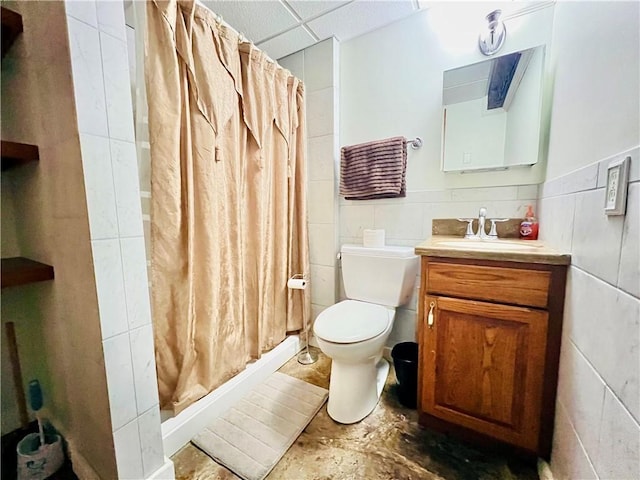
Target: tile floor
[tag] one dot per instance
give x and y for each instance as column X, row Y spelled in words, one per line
column 388, row 444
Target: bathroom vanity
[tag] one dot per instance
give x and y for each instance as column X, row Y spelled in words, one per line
column 489, row 331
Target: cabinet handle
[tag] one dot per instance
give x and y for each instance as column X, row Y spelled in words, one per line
column 430, row 316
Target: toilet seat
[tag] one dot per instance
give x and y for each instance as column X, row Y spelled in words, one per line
column 351, row 321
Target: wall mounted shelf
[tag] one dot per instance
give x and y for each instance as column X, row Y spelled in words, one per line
column 21, row 271
column 14, row 154
column 11, row 28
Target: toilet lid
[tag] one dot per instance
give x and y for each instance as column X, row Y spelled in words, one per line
column 351, row 321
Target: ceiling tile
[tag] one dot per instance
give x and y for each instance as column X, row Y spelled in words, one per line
column 310, row 8
column 360, row 16
column 257, row 20
column 287, row 43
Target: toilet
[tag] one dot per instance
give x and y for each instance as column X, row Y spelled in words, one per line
column 353, row 332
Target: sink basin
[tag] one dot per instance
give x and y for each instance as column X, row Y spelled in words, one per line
column 492, row 245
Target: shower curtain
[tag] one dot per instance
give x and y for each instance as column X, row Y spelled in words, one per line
column 228, row 200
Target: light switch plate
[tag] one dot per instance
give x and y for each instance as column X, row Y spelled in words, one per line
column 615, row 202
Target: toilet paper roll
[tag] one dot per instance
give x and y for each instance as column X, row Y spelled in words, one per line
column 297, row 283
column 373, row 238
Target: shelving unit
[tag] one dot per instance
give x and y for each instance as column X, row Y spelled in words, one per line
column 14, row 154
column 20, row 271
column 11, row 28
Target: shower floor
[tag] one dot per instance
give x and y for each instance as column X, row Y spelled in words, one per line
column 388, row 444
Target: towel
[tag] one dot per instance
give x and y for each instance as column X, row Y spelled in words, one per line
column 374, row 169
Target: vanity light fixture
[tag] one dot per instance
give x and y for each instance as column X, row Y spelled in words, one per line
column 492, row 39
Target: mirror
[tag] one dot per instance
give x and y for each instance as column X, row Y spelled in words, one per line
column 491, row 112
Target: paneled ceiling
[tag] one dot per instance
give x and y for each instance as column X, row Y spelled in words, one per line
column 282, row 27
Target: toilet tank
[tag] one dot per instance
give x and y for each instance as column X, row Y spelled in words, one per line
column 382, row 275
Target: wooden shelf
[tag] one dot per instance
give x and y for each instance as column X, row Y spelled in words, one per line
column 11, row 28
column 14, row 154
column 20, row 271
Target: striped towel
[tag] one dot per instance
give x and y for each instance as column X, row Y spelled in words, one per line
column 374, row 169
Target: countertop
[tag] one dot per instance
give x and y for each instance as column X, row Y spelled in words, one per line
column 506, row 250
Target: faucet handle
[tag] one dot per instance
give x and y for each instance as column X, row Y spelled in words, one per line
column 469, row 233
column 493, row 233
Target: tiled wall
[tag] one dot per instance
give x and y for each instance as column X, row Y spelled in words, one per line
column 317, row 66
column 407, row 221
column 595, row 115
column 99, row 58
column 597, row 431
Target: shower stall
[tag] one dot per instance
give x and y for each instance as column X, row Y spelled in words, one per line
column 223, row 192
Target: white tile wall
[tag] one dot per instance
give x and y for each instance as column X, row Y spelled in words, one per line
column 88, row 81
column 83, row 11
column 597, row 429
column 320, row 111
column 615, row 316
column 619, row 448
column 322, row 246
column 596, row 237
column 144, row 368
column 581, row 392
column 629, row 274
column 107, row 264
column 98, row 183
column 115, row 61
column 321, row 202
column 128, row 453
column 567, row 454
column 320, row 151
column 111, row 18
column 151, row 440
column 400, row 221
column 101, row 79
column 135, row 281
column 294, row 63
column 122, row 394
column 127, row 190
column 318, row 67
column 324, row 286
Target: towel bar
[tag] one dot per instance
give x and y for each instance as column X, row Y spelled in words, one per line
column 415, row 143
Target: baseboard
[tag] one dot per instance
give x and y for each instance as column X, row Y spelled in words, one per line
column 165, row 472
column 177, row 431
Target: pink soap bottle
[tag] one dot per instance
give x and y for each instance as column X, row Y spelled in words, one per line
column 529, row 226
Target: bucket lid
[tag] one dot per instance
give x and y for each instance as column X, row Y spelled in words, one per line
column 351, row 321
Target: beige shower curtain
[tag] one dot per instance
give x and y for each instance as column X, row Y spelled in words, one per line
column 228, row 218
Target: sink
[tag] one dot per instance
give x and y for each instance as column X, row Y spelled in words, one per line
column 491, row 245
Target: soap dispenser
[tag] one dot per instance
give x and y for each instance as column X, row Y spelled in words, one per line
column 529, row 226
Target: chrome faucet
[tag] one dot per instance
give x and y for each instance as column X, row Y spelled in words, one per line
column 481, row 233
column 482, row 216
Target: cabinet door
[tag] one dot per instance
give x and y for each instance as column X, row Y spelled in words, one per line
column 483, row 367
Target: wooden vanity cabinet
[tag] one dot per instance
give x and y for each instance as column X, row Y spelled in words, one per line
column 488, row 361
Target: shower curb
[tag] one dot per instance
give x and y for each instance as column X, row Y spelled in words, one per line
column 179, row 430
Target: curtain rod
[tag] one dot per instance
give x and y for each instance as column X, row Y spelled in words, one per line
column 241, row 37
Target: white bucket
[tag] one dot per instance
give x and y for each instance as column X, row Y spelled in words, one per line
column 37, row 462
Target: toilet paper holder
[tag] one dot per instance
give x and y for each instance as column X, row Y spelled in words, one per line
column 299, row 281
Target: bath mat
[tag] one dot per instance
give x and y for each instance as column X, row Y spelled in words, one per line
column 252, row 436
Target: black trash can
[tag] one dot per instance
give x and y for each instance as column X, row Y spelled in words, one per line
column 405, row 363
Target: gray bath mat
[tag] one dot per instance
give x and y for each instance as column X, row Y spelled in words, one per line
column 251, row 437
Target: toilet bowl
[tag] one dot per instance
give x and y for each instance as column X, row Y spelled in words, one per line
column 358, row 371
column 354, row 332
